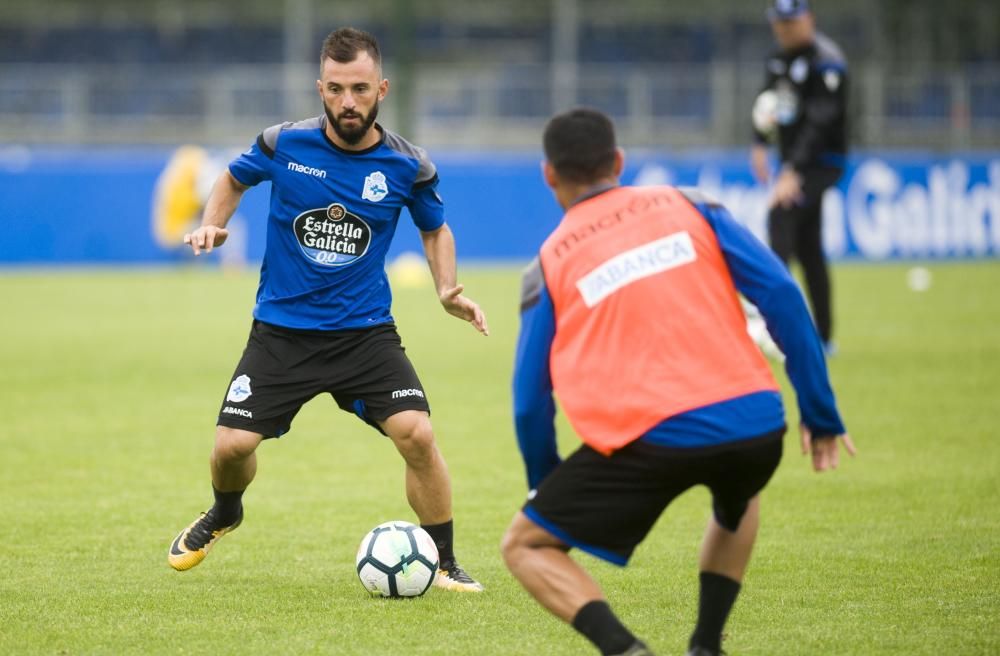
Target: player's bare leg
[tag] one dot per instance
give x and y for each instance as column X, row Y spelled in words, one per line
column 234, row 464
column 723, row 562
column 726, row 553
column 428, row 491
column 428, row 484
column 234, row 458
column 541, row 563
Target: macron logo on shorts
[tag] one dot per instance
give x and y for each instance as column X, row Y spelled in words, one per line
column 399, row 394
column 636, row 264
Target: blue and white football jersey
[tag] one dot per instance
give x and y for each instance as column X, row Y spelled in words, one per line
column 333, row 213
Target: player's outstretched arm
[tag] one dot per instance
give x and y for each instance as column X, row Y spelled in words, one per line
column 439, row 247
column 219, row 208
column 826, row 450
column 759, row 164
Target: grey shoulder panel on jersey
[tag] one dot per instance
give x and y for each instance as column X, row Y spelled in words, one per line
column 268, row 139
column 426, row 171
column 532, row 282
column 829, row 52
column 698, row 197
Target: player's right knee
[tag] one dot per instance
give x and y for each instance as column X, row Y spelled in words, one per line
column 510, row 544
column 415, row 441
column 234, row 444
column 517, row 538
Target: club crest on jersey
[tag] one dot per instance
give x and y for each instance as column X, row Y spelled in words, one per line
column 239, row 389
column 376, row 188
column 799, row 70
column 332, row 236
column 832, row 80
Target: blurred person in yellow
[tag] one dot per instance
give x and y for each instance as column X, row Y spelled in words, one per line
column 179, row 198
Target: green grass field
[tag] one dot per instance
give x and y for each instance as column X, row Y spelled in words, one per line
column 111, row 381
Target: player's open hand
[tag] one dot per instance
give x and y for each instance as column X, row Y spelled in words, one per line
column 206, row 238
column 464, row 308
column 826, row 451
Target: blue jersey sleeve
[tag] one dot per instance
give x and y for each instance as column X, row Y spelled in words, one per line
column 763, row 279
column 426, row 206
column 534, row 406
column 254, row 166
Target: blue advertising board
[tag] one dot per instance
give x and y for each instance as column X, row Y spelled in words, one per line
column 131, row 205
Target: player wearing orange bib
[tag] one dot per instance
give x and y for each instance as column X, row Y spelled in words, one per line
column 631, row 316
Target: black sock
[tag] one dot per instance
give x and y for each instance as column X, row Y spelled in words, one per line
column 227, row 506
column 598, row 623
column 715, row 600
column 443, row 536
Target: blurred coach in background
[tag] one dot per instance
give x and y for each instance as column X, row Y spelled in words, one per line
column 803, row 108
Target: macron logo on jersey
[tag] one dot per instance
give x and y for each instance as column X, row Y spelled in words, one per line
column 636, row 264
column 308, row 170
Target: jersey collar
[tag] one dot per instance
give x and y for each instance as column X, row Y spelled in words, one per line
column 596, row 190
column 370, row 149
column 806, row 49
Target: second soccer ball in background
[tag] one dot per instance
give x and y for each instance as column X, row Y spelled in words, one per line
column 765, row 114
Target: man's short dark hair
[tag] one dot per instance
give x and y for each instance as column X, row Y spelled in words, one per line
column 580, row 145
column 345, row 44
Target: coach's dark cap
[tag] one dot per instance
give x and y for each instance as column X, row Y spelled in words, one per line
column 786, row 9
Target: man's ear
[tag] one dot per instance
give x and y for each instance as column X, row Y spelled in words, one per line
column 619, row 162
column 383, row 89
column 549, row 174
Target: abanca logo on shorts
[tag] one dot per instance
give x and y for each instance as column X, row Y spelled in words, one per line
column 332, row 236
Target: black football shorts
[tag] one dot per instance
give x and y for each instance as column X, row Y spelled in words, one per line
column 605, row 505
column 365, row 370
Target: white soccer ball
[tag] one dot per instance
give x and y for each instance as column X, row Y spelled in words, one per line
column 757, row 328
column 765, row 113
column 397, row 559
column 919, row 279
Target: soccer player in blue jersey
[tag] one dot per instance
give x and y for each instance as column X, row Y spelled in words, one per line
column 322, row 321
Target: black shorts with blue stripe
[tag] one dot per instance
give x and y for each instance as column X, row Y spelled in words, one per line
column 606, row 505
column 365, row 370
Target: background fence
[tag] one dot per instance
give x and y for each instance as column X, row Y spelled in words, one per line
column 484, row 74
